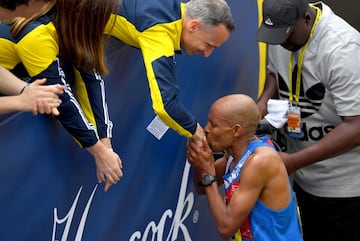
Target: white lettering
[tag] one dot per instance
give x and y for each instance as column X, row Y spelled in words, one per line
column 183, row 209
column 153, row 231
column 69, row 216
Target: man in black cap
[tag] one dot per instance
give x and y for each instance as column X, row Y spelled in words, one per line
column 279, row 20
column 314, row 63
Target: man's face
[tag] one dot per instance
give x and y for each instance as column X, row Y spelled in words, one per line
column 219, row 132
column 298, row 37
column 197, row 39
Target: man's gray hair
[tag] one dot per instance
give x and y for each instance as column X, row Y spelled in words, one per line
column 210, row 12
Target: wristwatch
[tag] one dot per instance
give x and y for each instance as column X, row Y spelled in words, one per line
column 207, row 180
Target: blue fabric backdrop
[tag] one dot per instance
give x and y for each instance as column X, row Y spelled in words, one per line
column 48, row 188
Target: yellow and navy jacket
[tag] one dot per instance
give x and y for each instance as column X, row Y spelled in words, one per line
column 154, row 27
column 35, row 51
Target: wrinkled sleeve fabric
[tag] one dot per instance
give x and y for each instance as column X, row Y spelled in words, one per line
column 38, row 52
column 158, row 54
column 90, row 91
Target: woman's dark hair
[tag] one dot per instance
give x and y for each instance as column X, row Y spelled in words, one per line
column 80, row 28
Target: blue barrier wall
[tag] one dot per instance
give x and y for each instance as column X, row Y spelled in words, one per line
column 48, row 188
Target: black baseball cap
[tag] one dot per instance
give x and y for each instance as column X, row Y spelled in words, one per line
column 279, row 18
